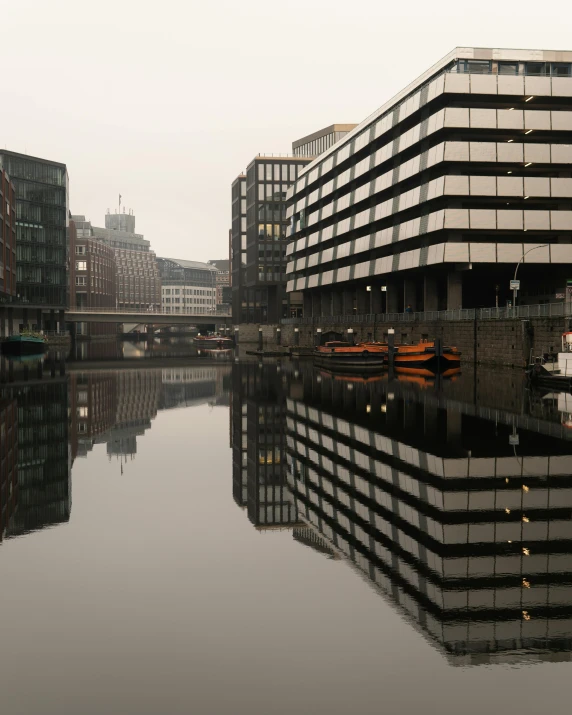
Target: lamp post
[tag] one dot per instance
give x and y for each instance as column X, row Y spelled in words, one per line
column 515, row 290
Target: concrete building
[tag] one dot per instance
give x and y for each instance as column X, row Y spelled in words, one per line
column 138, row 285
column 315, row 144
column 93, row 275
column 187, row 286
column 222, row 281
column 433, row 200
column 41, row 191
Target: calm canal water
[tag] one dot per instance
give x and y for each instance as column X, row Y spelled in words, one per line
column 193, row 535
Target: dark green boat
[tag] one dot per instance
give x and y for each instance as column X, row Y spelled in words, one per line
column 24, row 344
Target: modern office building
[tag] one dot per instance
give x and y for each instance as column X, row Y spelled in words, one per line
column 259, row 240
column 138, row 284
column 41, row 221
column 222, row 281
column 426, row 203
column 7, row 239
column 315, row 144
column 187, row 286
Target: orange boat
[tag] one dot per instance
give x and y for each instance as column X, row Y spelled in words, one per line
column 337, row 354
column 423, row 355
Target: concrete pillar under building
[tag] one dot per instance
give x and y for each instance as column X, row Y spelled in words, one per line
column 376, row 299
column 39, row 325
column 316, row 305
column 348, row 302
column 307, row 304
column 326, row 303
column 2, row 322
column 25, row 317
column 409, row 294
column 392, row 297
column 362, row 300
column 430, row 294
column 454, row 290
column 337, row 303
column 61, row 320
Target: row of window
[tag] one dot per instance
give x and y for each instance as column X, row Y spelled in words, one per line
column 278, row 172
column 537, row 69
column 189, row 301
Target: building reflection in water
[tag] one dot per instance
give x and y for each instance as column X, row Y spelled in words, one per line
column 463, row 522
column 35, row 460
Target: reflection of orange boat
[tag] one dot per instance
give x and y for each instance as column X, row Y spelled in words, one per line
column 338, row 354
column 362, row 380
column 423, row 355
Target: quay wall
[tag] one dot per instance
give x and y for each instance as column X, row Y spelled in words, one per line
column 506, row 342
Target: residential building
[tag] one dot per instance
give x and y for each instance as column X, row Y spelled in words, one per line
column 93, row 276
column 138, row 284
column 222, row 280
column 426, row 203
column 259, row 240
column 187, row 286
column 315, row 144
column 7, row 239
column 41, row 188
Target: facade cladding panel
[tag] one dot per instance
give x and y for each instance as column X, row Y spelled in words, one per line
column 41, row 222
column 238, row 246
column 260, row 297
column 7, row 238
column 477, row 151
column 187, row 286
column 318, row 142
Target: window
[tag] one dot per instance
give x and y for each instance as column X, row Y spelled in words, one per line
column 80, row 280
column 536, row 68
column 560, row 69
column 81, row 265
column 508, row 67
column 80, row 250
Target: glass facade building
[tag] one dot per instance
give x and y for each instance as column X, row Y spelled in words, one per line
column 41, row 220
column 187, row 286
column 7, row 238
column 433, row 199
column 259, row 239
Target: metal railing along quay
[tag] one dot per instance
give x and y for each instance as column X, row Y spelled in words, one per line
column 523, row 312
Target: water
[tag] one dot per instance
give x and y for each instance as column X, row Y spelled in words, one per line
column 224, row 537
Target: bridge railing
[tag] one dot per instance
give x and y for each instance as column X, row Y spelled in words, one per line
column 150, row 312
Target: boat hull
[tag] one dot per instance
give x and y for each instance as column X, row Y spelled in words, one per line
column 23, row 346
column 351, row 360
column 213, row 343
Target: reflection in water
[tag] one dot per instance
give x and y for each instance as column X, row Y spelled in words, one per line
column 35, row 463
column 455, row 504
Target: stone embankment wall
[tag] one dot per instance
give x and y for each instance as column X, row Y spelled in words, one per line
column 492, row 342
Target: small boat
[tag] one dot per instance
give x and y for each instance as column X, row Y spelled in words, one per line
column 337, row 354
column 27, row 343
column 425, row 355
column 211, row 342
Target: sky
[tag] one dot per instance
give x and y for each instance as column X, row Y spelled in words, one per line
column 167, row 102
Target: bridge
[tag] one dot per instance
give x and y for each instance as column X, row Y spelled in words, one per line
column 147, row 317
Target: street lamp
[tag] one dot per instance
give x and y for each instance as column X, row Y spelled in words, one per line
column 514, row 289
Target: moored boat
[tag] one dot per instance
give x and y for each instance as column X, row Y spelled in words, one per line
column 426, row 355
column 337, row 354
column 24, row 344
column 213, row 342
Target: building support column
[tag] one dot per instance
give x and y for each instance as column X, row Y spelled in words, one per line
column 326, row 303
column 307, row 303
column 2, row 322
column 430, row 294
column 454, row 290
column 409, row 294
column 348, row 302
column 25, row 318
column 337, row 303
column 392, row 297
column 362, row 300
column 316, row 305
column 376, row 299
column 61, row 320
column 39, row 319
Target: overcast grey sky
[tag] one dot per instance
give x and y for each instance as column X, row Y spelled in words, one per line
column 166, row 102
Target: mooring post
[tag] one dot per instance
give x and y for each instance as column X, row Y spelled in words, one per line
column 296, row 336
column 260, row 338
column 318, row 340
column 391, row 352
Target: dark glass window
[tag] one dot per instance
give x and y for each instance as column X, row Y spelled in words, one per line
column 536, row 68
column 560, row 69
column 508, row 67
column 476, row 66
